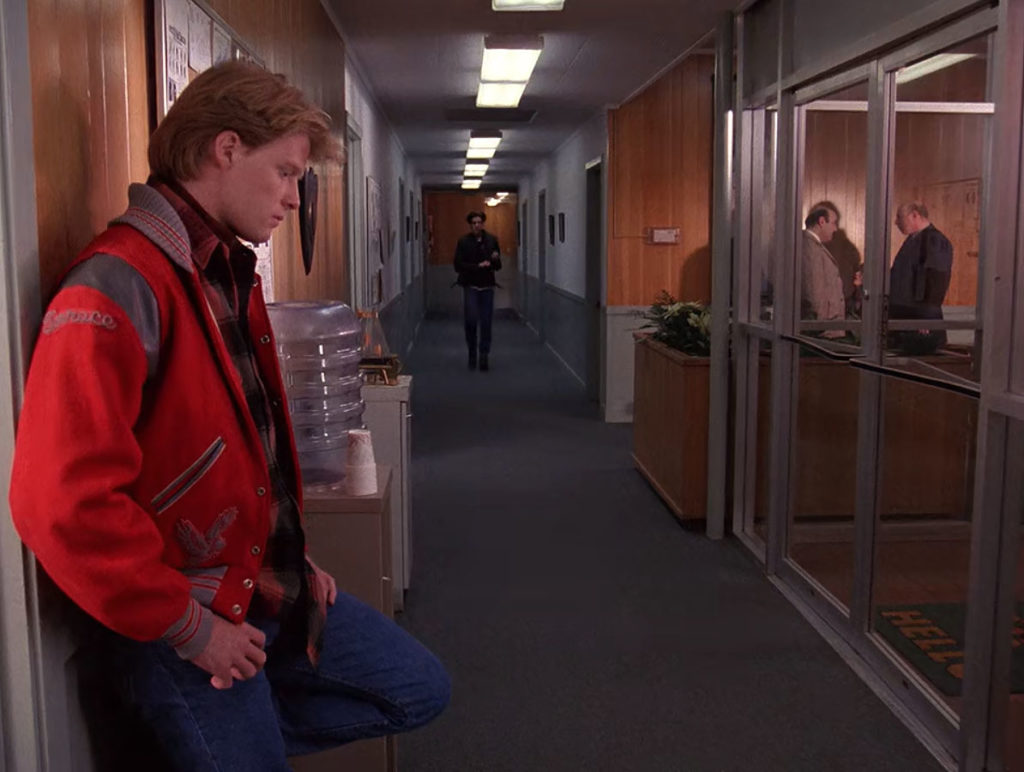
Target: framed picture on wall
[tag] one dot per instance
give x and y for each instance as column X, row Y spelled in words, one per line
column 551, row 229
column 561, row 227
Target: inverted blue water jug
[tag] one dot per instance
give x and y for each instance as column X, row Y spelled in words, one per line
column 318, row 347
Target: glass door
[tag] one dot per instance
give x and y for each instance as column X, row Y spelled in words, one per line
column 929, row 363
column 824, row 303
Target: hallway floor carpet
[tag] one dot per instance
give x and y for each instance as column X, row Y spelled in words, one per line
column 583, row 627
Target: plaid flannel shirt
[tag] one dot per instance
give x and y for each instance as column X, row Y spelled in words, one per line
column 286, row 589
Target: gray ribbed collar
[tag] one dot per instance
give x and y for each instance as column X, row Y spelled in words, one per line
column 152, row 215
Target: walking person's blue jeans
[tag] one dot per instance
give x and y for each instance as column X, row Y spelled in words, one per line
column 373, row 679
column 478, row 311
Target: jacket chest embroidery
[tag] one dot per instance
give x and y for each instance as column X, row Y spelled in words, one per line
column 203, row 547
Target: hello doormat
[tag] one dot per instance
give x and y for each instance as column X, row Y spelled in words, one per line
column 930, row 636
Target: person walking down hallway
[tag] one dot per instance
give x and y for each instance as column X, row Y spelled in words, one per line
column 919, row 279
column 477, row 257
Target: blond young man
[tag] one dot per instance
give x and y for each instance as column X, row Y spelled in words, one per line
column 155, row 474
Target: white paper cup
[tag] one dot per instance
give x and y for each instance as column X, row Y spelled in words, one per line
column 361, row 480
column 360, row 448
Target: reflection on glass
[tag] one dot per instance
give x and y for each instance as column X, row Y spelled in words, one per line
column 762, row 452
column 833, row 185
column 821, row 534
column 763, row 214
column 941, row 130
column 922, row 546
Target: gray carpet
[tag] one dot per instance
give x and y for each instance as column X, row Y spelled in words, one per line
column 584, row 629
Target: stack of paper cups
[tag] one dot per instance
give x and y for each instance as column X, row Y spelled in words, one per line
column 360, row 469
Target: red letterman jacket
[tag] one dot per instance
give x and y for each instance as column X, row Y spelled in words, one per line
column 139, row 480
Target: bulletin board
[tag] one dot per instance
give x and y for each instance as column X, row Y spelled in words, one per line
column 190, row 37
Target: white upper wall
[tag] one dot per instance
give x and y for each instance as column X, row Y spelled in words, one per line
column 563, row 176
column 385, row 161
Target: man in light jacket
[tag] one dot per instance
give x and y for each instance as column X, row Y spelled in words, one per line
column 821, row 285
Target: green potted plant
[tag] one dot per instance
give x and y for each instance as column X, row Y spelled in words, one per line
column 684, row 325
column 670, row 402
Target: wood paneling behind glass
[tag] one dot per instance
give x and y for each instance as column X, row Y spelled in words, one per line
column 91, row 114
column 660, row 176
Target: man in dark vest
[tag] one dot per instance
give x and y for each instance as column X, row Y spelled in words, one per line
column 919, row 279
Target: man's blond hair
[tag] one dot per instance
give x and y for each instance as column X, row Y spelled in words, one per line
column 237, row 96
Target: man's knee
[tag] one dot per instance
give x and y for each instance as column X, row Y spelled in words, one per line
column 433, row 693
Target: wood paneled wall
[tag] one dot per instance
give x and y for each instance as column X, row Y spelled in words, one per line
column 91, row 111
column 660, row 153
column 447, row 212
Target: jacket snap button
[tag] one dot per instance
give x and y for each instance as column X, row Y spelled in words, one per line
column 265, row 339
column 236, row 609
column 255, row 550
column 260, row 491
column 247, row 584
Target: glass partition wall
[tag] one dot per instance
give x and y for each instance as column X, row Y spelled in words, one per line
column 863, row 244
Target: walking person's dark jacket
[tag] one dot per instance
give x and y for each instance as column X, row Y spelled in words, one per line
column 470, row 252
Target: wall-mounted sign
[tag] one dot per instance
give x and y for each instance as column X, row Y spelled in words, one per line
column 661, row 235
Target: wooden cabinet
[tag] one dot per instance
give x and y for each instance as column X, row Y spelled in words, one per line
column 670, row 425
column 389, row 419
column 350, row 538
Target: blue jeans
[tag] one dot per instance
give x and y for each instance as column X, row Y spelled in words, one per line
column 478, row 308
column 373, row 679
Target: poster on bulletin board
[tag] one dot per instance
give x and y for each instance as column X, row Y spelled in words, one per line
column 190, row 37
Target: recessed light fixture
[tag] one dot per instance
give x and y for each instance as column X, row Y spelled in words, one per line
column 484, row 139
column 470, row 184
column 475, row 170
column 484, row 153
column 510, row 58
column 527, row 5
column 500, row 94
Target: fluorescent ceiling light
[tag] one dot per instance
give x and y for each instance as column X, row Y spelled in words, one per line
column 500, row 94
column 510, row 58
column 475, row 170
column 484, row 139
column 930, row 65
column 470, row 184
column 480, row 152
column 527, row 5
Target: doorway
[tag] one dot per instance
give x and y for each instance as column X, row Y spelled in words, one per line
column 358, row 295
column 543, row 232
column 594, row 267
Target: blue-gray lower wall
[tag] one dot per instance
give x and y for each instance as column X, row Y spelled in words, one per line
column 401, row 317
column 565, row 329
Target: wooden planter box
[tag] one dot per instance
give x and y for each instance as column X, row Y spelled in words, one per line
column 670, row 425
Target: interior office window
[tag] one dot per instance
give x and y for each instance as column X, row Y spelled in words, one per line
column 830, row 246
column 942, row 125
column 764, row 137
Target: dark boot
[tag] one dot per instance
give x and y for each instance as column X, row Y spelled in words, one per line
column 472, row 360
column 484, row 364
